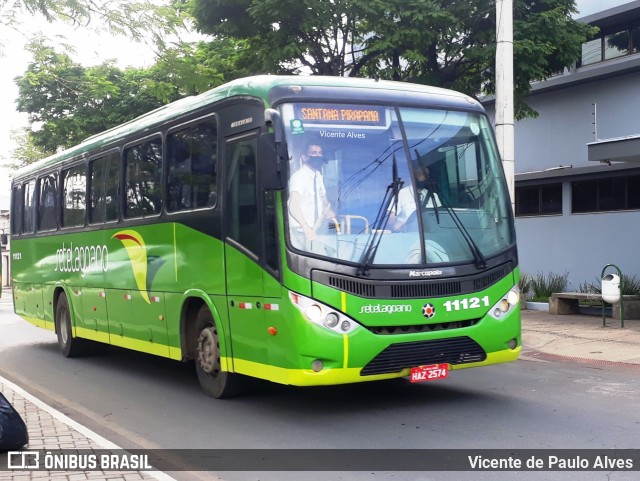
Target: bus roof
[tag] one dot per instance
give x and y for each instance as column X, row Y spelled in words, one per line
column 257, row 86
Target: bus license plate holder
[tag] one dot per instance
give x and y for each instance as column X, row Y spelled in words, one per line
column 432, row 372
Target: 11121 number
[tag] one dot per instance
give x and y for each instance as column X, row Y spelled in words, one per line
column 468, row 303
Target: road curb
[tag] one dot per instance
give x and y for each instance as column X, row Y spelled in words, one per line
column 83, row 430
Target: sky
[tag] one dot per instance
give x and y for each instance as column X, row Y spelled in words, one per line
column 91, row 49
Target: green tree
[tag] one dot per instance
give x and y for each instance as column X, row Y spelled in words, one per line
column 135, row 19
column 67, row 102
column 438, row 42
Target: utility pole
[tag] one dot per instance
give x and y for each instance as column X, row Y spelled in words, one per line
column 504, row 91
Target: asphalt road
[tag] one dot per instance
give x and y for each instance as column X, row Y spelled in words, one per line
column 140, row 401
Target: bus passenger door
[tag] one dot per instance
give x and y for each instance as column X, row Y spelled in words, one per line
column 244, row 274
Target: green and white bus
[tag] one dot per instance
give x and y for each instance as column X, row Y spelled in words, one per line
column 175, row 234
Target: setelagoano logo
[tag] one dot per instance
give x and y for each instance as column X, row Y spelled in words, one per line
column 385, row 309
column 137, row 252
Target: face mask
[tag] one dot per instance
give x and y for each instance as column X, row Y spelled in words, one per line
column 315, row 162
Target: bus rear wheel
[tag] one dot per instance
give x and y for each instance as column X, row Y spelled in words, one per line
column 69, row 345
column 214, row 381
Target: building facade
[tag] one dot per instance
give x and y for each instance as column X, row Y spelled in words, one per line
column 576, row 213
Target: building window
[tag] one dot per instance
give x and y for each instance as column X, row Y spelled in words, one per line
column 611, row 45
column 591, row 52
column 616, row 45
column 539, row 200
column 604, row 195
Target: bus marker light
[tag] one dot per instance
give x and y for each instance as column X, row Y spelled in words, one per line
column 272, row 307
column 317, row 365
column 245, row 305
column 155, row 299
column 127, row 297
column 272, row 330
column 512, row 344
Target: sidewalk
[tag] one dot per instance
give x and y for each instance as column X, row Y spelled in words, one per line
column 571, row 338
column 49, row 429
column 580, row 338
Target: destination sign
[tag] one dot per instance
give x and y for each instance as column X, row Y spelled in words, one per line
column 339, row 114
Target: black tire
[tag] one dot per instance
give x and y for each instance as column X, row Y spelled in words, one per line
column 69, row 345
column 214, row 381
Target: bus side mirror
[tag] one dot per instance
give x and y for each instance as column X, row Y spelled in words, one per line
column 271, row 162
column 4, row 239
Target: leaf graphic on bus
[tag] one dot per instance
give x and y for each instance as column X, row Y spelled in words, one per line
column 137, row 251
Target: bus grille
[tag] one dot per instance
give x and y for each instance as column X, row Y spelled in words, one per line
column 414, row 328
column 414, row 289
column 439, row 289
column 396, row 357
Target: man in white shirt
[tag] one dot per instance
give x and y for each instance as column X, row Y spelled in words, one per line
column 407, row 201
column 308, row 203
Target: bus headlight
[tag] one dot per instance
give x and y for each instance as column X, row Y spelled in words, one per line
column 313, row 312
column 331, row 320
column 323, row 315
column 506, row 304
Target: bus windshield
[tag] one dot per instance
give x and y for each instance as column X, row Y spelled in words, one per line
column 387, row 185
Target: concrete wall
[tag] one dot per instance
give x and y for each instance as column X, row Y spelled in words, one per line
column 580, row 244
column 559, row 135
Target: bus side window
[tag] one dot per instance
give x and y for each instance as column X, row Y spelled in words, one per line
column 271, row 255
column 74, row 189
column 47, row 202
column 28, row 207
column 192, row 158
column 104, row 176
column 242, row 205
column 143, row 179
column 16, row 210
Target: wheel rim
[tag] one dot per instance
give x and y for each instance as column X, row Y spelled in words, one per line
column 208, row 351
column 64, row 327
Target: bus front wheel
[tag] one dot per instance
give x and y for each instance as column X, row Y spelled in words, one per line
column 214, row 381
column 70, row 346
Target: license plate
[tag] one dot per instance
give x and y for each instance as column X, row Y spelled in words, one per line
column 429, row 373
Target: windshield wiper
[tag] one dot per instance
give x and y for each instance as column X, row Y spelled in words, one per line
column 479, row 259
column 380, row 224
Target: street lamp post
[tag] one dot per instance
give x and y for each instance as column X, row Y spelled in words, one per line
column 504, row 91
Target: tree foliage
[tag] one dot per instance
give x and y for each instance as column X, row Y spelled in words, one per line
column 144, row 19
column 439, row 42
column 447, row 43
column 67, row 102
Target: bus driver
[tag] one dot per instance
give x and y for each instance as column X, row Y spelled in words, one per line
column 308, row 203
